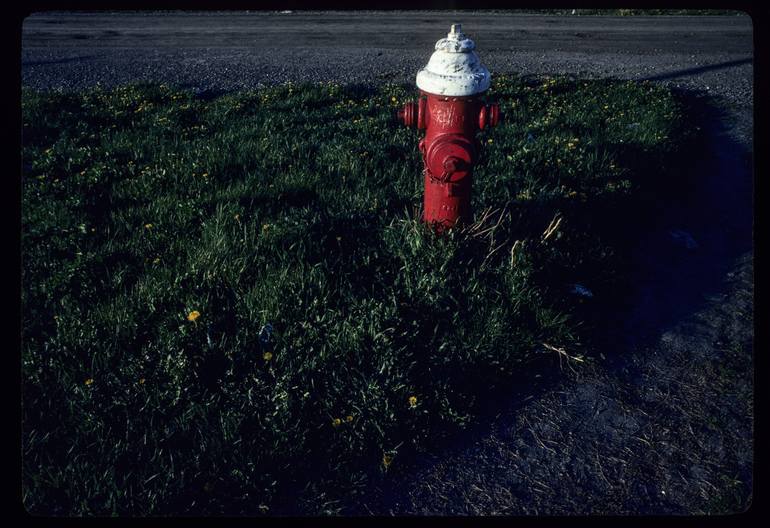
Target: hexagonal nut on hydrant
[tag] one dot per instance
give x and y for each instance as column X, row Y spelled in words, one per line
column 451, row 112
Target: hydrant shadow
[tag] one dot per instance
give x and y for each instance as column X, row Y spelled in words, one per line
column 691, row 237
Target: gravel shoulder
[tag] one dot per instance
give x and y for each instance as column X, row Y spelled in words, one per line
column 663, row 424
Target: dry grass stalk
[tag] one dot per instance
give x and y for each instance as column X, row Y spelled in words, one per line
column 552, row 227
column 561, row 353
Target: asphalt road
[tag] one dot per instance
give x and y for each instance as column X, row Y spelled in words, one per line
column 226, row 50
column 392, row 31
column 665, row 424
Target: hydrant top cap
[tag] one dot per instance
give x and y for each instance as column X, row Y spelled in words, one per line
column 454, row 69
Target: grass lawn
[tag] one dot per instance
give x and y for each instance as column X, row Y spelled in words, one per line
column 230, row 305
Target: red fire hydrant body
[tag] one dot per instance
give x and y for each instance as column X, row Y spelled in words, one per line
column 451, row 112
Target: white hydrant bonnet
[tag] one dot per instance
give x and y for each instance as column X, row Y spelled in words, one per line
column 454, row 69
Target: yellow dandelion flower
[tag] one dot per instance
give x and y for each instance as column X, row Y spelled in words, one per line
column 192, row 316
column 349, row 418
column 489, row 140
column 267, row 356
column 89, row 381
column 393, row 99
column 141, row 381
column 525, row 194
column 336, row 422
column 386, row 460
column 412, row 401
column 148, row 226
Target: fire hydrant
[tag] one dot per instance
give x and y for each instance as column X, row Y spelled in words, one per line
column 450, row 111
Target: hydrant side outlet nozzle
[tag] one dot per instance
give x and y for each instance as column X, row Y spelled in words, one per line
column 413, row 114
column 451, row 113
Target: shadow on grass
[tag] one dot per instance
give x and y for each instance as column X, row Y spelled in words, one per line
column 693, row 230
column 688, row 229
